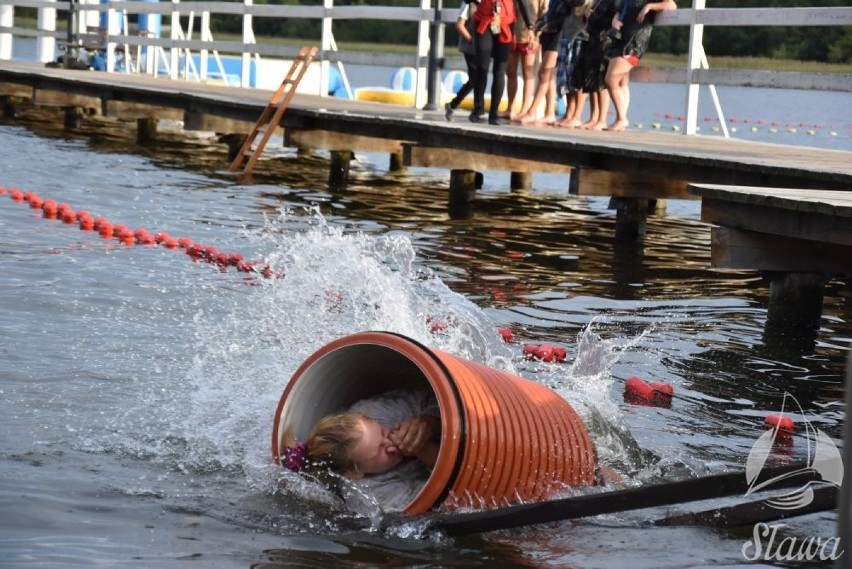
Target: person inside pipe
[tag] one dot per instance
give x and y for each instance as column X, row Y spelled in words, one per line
column 385, row 447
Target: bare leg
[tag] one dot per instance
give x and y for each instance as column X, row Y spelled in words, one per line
column 550, row 101
column 545, row 78
column 511, row 83
column 594, row 109
column 576, row 101
column 616, row 83
column 603, row 110
column 528, row 69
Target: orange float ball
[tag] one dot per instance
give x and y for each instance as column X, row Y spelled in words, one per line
column 161, row 237
column 145, row 239
column 184, row 242
column 68, row 217
column 105, row 229
column 83, row 213
column 87, row 223
column 169, row 243
column 16, row 195
column 36, row 202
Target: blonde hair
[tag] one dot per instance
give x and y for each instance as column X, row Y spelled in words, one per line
column 333, row 440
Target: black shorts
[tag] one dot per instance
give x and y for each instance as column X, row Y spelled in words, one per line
column 549, row 41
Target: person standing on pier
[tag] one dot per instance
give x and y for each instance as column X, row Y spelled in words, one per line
column 524, row 53
column 465, row 29
column 551, row 27
column 494, row 22
column 593, row 63
column 631, row 32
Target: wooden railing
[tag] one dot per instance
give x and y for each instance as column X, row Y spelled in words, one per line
column 180, row 19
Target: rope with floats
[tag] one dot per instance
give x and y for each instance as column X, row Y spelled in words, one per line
column 124, row 235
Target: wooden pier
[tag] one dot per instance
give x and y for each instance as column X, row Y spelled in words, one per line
column 635, row 169
column 798, row 239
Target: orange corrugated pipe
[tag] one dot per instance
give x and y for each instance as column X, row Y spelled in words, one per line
column 503, row 438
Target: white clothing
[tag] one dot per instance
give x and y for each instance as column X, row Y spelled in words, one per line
column 393, row 490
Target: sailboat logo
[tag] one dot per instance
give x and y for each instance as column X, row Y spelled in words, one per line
column 823, row 458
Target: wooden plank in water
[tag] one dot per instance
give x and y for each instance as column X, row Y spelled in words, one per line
column 432, row 157
column 738, row 249
column 339, row 141
column 715, row 486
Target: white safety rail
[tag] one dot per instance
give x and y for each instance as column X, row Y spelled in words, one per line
column 173, row 55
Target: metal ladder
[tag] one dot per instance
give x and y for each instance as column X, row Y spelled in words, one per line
column 271, row 115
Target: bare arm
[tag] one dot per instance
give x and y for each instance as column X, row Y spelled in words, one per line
column 656, row 7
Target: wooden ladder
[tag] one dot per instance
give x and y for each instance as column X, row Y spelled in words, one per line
column 271, row 115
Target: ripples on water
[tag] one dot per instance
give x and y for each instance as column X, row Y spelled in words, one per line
column 144, row 384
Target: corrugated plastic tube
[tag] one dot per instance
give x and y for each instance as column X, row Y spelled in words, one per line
column 504, row 439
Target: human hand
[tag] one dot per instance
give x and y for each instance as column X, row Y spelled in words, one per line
column 642, row 13
column 411, row 435
column 616, row 22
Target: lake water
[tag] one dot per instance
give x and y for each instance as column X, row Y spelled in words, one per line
column 138, row 387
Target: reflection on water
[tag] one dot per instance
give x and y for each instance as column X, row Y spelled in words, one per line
column 163, row 374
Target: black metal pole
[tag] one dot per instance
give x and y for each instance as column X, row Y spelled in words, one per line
column 436, row 60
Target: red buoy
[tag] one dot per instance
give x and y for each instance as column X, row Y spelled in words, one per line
column 105, row 229
column 656, row 394
column 783, row 423
column 506, row 334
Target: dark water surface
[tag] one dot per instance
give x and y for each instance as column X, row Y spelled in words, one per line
column 137, row 387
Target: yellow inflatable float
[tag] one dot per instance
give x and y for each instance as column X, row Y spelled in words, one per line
column 402, row 90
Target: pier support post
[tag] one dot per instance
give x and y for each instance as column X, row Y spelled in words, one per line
column 658, row 207
column 11, row 106
column 72, row 116
column 234, row 142
column 463, row 185
column 521, row 181
column 631, row 218
column 338, row 174
column 795, row 303
column 396, row 164
column 146, row 130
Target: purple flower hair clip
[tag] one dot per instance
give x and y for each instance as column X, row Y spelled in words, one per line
column 293, row 458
